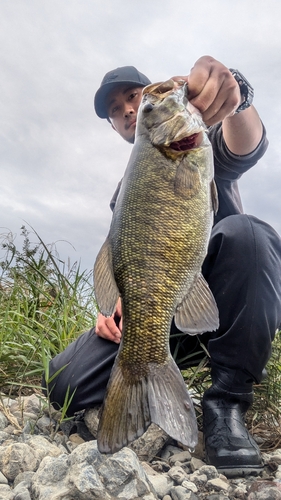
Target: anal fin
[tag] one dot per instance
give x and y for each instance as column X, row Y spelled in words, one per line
column 170, row 404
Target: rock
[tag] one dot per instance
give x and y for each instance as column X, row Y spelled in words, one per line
column 45, row 424
column 180, row 493
column 3, row 479
column 16, row 458
column 169, row 450
column 3, row 421
column 160, row 466
column 210, row 471
column 63, row 465
column 148, row 469
column 5, row 436
column 91, row 418
column 24, row 476
column 177, row 474
column 21, row 491
column 278, row 472
column 124, row 477
column 42, row 447
column 198, row 478
column 149, row 445
column 6, row 493
column 58, row 478
column 188, row 485
column 162, row 484
column 263, row 490
column 183, row 456
column 218, row 484
column 75, row 439
column 89, row 453
column 196, row 464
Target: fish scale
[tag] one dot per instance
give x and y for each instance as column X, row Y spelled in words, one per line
column 152, row 259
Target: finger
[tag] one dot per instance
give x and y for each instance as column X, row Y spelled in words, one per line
column 107, row 329
column 118, row 310
column 219, row 98
column 180, row 78
column 111, row 325
column 199, row 76
column 108, row 335
column 225, row 104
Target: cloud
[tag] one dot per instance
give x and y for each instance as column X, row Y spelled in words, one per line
column 60, row 164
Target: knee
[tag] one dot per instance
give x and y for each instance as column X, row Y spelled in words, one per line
column 246, row 235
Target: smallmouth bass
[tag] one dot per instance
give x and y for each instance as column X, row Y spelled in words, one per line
column 152, row 258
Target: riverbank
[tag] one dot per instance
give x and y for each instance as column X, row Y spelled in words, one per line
column 43, row 460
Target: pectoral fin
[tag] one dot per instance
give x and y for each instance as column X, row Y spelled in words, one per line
column 106, row 290
column 214, row 197
column 187, row 180
column 198, row 312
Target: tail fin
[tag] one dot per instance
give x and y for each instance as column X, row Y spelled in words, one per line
column 160, row 397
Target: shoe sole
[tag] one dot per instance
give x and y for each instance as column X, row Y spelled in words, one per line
column 231, row 472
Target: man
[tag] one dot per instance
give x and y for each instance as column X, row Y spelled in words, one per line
column 242, row 268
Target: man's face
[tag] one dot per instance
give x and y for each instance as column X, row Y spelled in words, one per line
column 122, row 107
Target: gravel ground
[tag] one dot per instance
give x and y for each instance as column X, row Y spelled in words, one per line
column 42, row 459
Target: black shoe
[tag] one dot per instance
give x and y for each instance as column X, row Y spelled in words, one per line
column 228, row 444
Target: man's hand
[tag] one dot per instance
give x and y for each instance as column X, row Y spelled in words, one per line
column 110, row 328
column 212, row 89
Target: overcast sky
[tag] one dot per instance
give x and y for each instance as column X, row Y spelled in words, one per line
column 59, row 162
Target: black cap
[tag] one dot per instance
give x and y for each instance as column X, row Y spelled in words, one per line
column 118, row 76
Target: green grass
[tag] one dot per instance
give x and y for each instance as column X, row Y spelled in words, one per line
column 44, row 305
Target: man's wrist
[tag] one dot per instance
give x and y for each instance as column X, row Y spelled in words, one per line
column 246, row 90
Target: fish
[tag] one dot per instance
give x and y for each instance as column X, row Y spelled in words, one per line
column 152, row 259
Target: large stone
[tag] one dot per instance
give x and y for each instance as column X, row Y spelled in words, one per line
column 6, row 493
column 124, row 477
column 218, row 484
column 177, row 474
column 16, row 458
column 181, row 493
column 91, row 418
column 42, row 447
column 88, row 452
column 56, row 478
column 86, row 474
column 3, row 421
column 162, row 484
column 263, row 490
column 150, row 444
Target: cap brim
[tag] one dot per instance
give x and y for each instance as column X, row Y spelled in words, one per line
column 103, row 92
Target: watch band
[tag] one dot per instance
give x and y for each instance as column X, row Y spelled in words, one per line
column 246, row 90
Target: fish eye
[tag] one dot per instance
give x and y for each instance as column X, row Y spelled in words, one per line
column 147, row 107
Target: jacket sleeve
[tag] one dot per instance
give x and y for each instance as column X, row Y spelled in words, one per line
column 229, row 166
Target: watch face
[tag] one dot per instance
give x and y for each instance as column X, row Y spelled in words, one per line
column 246, row 90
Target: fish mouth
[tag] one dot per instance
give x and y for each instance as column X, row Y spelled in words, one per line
column 186, row 143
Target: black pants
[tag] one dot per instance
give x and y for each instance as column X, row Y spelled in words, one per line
column 243, row 269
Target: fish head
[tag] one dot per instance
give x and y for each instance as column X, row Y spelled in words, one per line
column 170, row 121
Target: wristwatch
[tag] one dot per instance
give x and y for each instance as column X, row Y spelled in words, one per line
column 246, row 90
